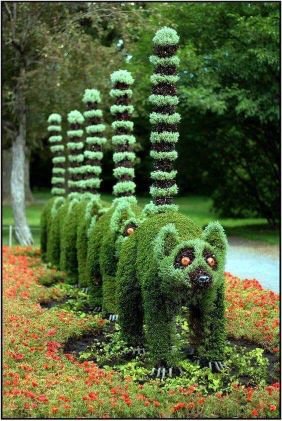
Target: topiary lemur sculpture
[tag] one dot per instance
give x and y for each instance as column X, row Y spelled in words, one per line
column 75, row 146
column 120, row 220
column 91, row 207
column 58, row 188
column 169, row 261
column 71, row 223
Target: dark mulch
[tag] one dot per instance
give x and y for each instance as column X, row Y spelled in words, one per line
column 52, row 303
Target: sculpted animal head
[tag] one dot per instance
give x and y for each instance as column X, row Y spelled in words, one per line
column 194, row 264
column 124, row 222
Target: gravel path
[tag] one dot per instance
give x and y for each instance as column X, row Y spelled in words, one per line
column 252, row 259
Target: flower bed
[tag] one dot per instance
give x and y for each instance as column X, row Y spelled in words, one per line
column 41, row 381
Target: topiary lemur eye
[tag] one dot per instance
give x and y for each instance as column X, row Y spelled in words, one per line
column 184, row 258
column 210, row 259
column 129, row 229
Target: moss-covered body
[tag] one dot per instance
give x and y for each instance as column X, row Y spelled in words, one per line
column 105, row 240
column 58, row 186
column 53, row 242
column 120, row 220
column 90, row 173
column 153, row 285
column 90, row 212
column 45, row 223
column 169, row 262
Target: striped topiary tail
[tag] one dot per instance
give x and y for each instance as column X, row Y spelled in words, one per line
column 164, row 120
column 75, row 152
column 93, row 153
column 123, row 139
column 58, row 150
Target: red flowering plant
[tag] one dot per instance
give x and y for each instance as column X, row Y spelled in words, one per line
column 252, row 312
column 40, row 380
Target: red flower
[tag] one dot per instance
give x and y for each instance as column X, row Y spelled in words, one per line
column 92, row 396
column 178, row 406
column 64, row 398
column 272, row 407
column 42, row 398
column 255, row 413
column 51, row 332
column 18, row 357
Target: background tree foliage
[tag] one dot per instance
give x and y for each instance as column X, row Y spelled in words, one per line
column 229, row 89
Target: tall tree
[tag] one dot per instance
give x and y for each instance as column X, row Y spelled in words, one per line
column 229, row 100
column 41, row 50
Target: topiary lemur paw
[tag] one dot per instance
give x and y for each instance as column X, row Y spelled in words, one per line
column 162, row 372
column 138, row 350
column 97, row 309
column 214, row 366
column 113, row 317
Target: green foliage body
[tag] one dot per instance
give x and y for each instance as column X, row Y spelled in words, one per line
column 93, row 275
column 91, row 211
column 68, row 260
column 54, row 238
column 45, row 220
column 147, row 273
column 103, row 250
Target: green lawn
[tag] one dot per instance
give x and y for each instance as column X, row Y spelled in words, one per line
column 197, row 208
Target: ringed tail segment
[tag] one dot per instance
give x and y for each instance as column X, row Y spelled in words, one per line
column 123, row 140
column 75, row 152
column 93, row 152
column 164, row 120
column 58, row 151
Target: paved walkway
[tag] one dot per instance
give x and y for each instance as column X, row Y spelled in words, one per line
column 252, row 259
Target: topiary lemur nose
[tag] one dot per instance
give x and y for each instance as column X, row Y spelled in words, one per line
column 204, row 279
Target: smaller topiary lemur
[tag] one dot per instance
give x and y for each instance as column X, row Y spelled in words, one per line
column 169, row 262
column 120, row 220
column 75, row 146
column 58, row 186
column 91, row 207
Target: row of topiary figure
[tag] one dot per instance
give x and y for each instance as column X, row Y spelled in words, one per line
column 142, row 265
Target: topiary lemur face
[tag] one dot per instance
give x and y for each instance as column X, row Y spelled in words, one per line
column 124, row 221
column 194, row 265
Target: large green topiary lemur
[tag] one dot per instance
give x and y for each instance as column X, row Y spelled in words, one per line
column 169, row 261
column 58, row 186
column 121, row 219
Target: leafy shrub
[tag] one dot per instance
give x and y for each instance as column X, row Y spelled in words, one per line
column 51, row 277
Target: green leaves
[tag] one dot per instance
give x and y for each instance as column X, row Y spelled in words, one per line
column 122, row 76
column 166, row 36
column 91, row 95
column 75, row 117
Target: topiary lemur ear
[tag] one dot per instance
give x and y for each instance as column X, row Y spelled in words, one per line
column 166, row 240
column 214, row 234
column 122, row 212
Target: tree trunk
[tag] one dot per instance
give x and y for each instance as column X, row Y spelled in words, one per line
column 27, row 189
column 6, row 176
column 22, row 230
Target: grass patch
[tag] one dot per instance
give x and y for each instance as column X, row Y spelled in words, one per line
column 198, row 208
